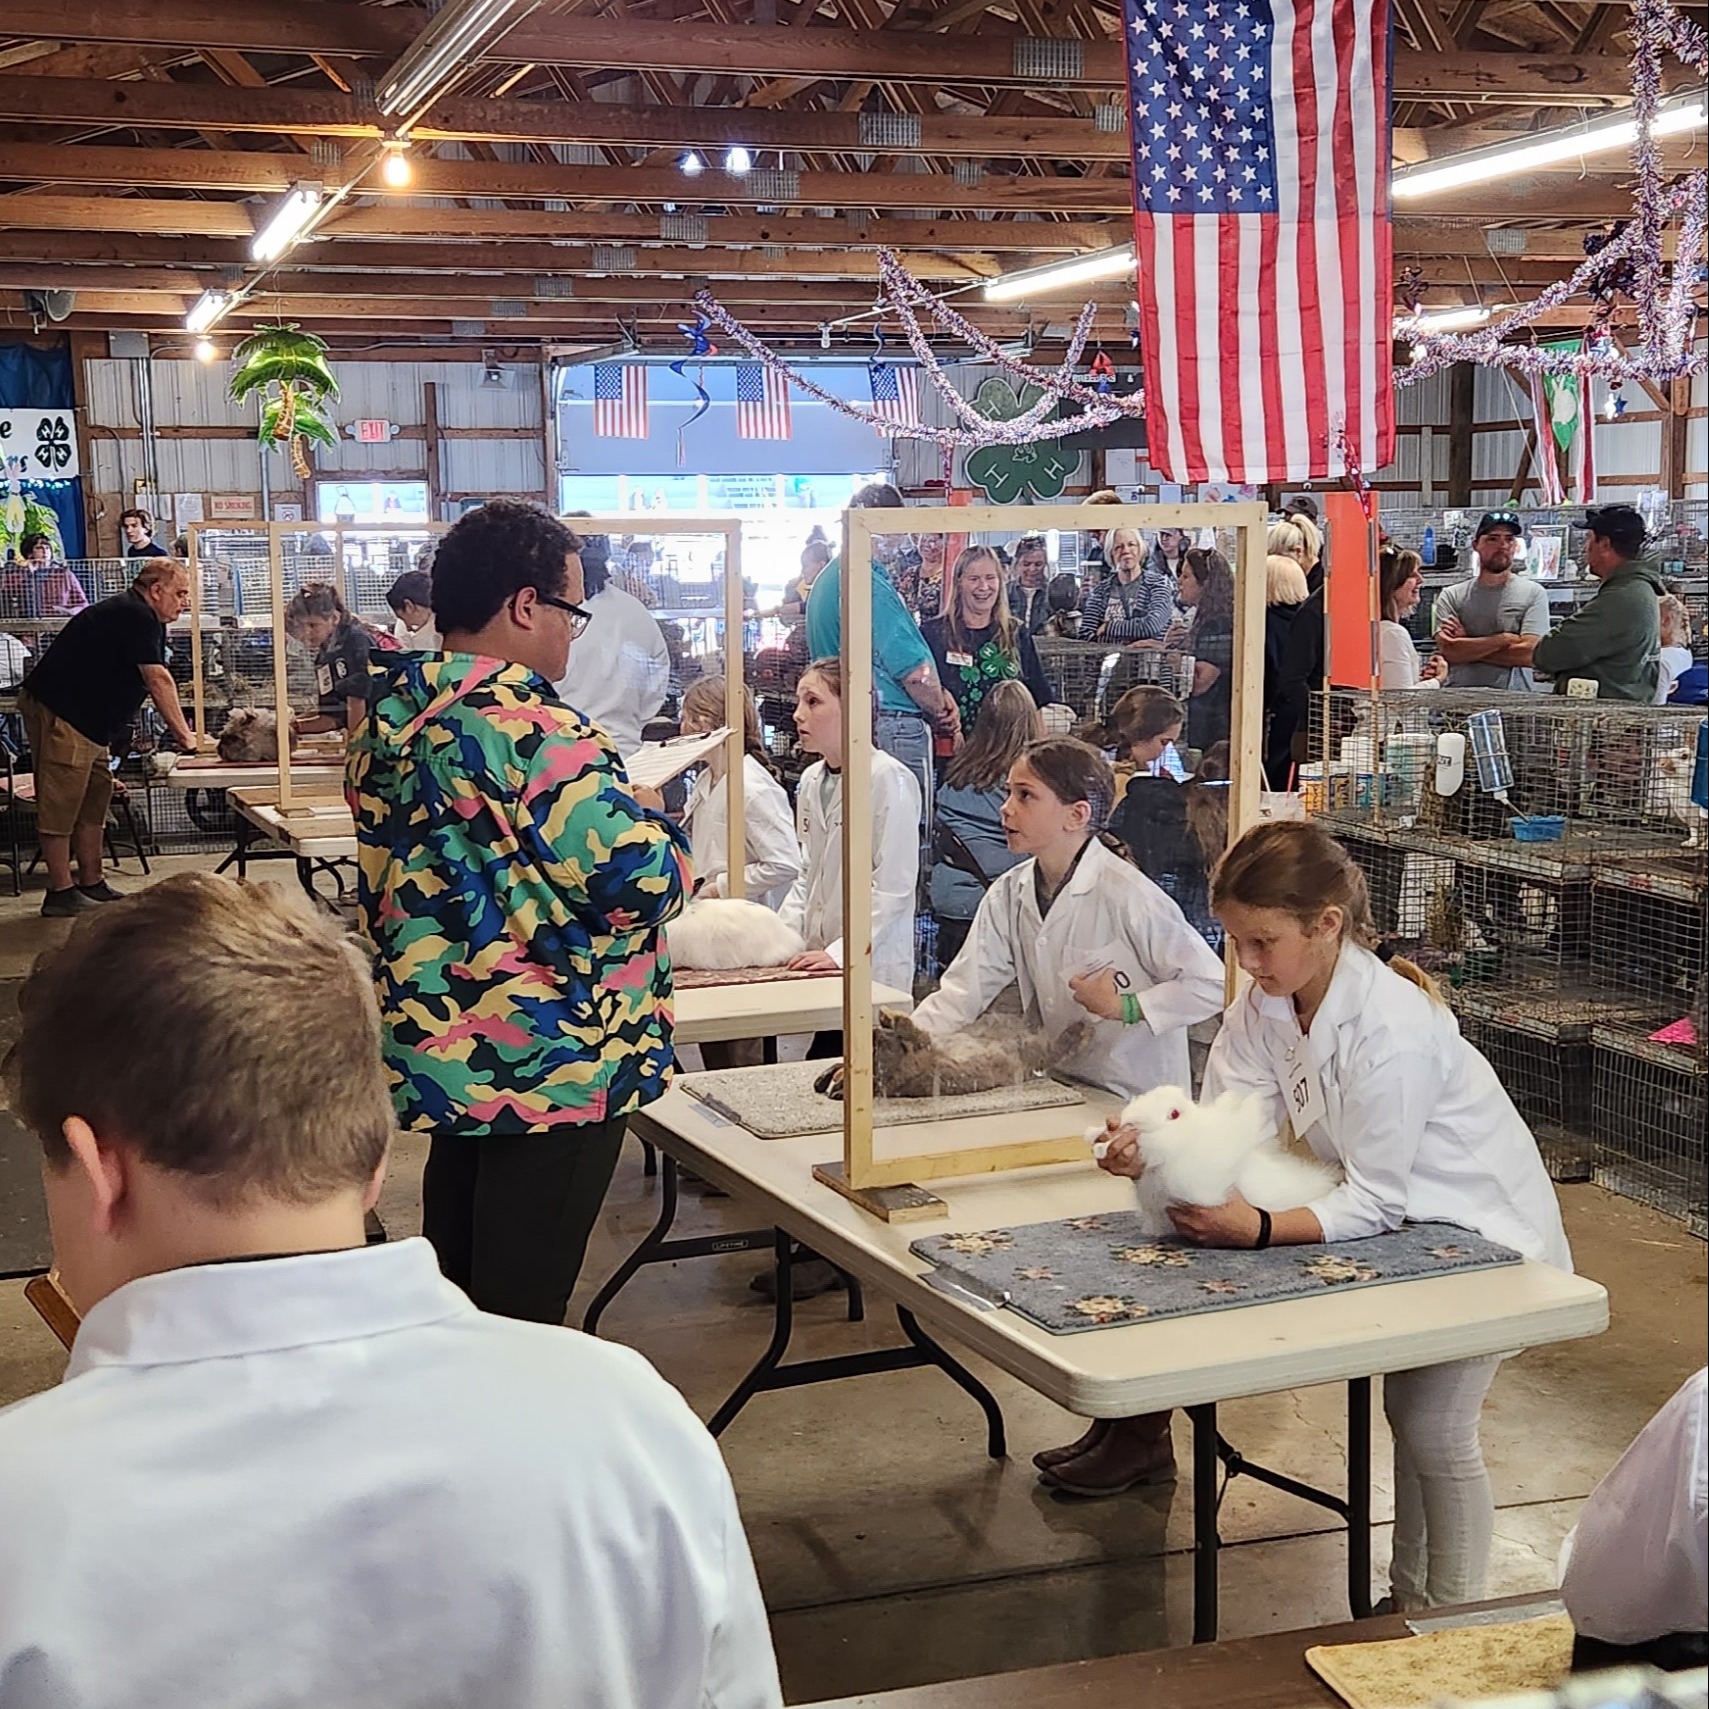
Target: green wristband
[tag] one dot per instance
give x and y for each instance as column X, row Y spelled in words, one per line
column 1131, row 1015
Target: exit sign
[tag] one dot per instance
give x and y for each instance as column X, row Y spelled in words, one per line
column 373, row 432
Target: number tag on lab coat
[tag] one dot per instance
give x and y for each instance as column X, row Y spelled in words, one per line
column 1302, row 1090
column 323, row 679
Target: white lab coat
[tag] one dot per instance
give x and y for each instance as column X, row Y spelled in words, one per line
column 1109, row 914
column 814, row 905
column 328, row 1479
column 1636, row 1566
column 423, row 640
column 1415, row 1117
column 773, row 856
column 620, row 667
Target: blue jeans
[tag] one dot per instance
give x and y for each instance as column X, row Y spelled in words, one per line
column 907, row 737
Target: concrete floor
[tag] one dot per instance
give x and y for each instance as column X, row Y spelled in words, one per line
column 893, row 1552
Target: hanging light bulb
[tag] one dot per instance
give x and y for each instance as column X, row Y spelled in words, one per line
column 396, row 169
column 205, row 351
column 691, row 164
column 738, row 161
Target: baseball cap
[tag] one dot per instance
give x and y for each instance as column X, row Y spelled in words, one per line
column 1500, row 519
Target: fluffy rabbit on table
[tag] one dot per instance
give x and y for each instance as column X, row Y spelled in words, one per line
column 719, row 933
column 1200, row 1154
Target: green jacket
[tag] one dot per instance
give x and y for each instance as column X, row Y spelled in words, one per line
column 1615, row 637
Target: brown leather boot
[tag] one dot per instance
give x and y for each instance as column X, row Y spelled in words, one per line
column 1047, row 1459
column 1134, row 1451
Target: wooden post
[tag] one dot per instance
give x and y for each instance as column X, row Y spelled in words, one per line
column 1675, row 438
column 856, row 652
column 1246, row 713
column 430, row 441
column 86, row 347
column 1462, row 395
column 198, row 699
column 735, row 746
column 281, row 674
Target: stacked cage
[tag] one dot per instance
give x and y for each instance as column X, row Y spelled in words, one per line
column 1091, row 676
column 1559, row 902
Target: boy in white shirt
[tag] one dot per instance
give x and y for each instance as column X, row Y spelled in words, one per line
column 285, row 1468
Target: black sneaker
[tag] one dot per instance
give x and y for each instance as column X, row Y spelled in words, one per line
column 102, row 892
column 66, row 904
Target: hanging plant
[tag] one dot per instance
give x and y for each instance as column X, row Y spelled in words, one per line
column 287, row 369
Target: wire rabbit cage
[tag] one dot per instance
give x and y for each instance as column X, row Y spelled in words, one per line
column 1555, row 883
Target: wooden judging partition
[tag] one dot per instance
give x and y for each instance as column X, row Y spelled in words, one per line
column 888, row 1186
column 647, row 525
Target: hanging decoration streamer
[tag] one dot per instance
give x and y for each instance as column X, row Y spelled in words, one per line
column 1348, row 452
column 903, row 296
column 699, row 345
column 1629, row 262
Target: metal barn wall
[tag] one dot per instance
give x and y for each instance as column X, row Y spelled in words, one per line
column 491, row 438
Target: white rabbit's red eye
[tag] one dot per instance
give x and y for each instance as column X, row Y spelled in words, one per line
column 1174, row 1115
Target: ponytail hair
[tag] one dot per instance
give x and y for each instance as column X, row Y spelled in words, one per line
column 1073, row 771
column 1295, row 867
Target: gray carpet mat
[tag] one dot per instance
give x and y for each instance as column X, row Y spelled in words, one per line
column 1089, row 1272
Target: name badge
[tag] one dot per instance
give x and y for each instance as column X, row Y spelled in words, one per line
column 959, row 658
column 1302, row 1090
column 323, row 679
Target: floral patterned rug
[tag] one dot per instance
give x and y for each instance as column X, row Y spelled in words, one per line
column 1092, row 1271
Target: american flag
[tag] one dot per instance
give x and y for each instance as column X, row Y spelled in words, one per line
column 1260, row 133
column 619, row 400
column 762, row 403
column 895, row 392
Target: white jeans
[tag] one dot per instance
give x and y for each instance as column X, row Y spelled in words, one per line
column 1444, row 1509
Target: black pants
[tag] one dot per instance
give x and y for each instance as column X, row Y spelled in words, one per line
column 952, row 934
column 510, row 1215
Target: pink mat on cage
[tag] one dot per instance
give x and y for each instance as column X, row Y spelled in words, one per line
column 697, row 978
column 1679, row 1032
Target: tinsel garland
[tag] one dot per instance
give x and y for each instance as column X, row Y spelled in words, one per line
column 1667, row 311
column 903, row 296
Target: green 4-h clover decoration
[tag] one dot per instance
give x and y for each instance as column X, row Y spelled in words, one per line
column 1017, row 474
column 53, row 442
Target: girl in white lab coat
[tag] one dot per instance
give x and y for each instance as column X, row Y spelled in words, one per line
column 1084, row 934
column 772, row 860
column 814, row 905
column 1380, row 1082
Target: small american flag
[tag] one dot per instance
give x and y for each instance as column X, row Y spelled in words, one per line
column 762, row 403
column 1261, row 136
column 619, row 400
column 895, row 392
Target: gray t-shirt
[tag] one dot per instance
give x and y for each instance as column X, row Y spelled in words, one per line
column 1519, row 606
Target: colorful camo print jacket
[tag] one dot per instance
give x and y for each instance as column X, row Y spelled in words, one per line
column 513, row 891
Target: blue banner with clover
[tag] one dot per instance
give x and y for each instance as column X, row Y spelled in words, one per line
column 39, row 467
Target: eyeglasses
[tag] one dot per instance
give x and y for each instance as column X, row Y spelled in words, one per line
column 580, row 616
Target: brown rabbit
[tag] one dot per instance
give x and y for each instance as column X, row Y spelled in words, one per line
column 908, row 1062
column 250, row 735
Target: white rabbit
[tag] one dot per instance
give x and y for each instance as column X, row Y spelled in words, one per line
column 1670, row 789
column 1198, row 1154
column 718, row 932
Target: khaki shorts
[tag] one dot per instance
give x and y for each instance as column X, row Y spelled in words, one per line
column 73, row 785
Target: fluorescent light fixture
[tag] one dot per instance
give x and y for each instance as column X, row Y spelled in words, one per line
column 1115, row 263
column 691, row 164
column 455, row 37
column 396, row 169
column 208, row 308
column 287, row 223
column 739, row 161
column 1443, row 320
column 1546, row 148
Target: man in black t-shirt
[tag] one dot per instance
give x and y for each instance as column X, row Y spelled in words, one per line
column 137, row 526
column 77, row 702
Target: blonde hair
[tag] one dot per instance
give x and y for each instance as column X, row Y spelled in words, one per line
column 1284, row 581
column 1675, row 621
column 1104, row 495
column 1001, row 615
column 1295, row 867
column 1295, row 537
column 1006, row 723
column 225, row 1032
column 704, row 697
column 1110, row 544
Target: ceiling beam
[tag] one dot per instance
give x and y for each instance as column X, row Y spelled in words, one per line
column 272, row 174
column 184, row 217
column 748, row 50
